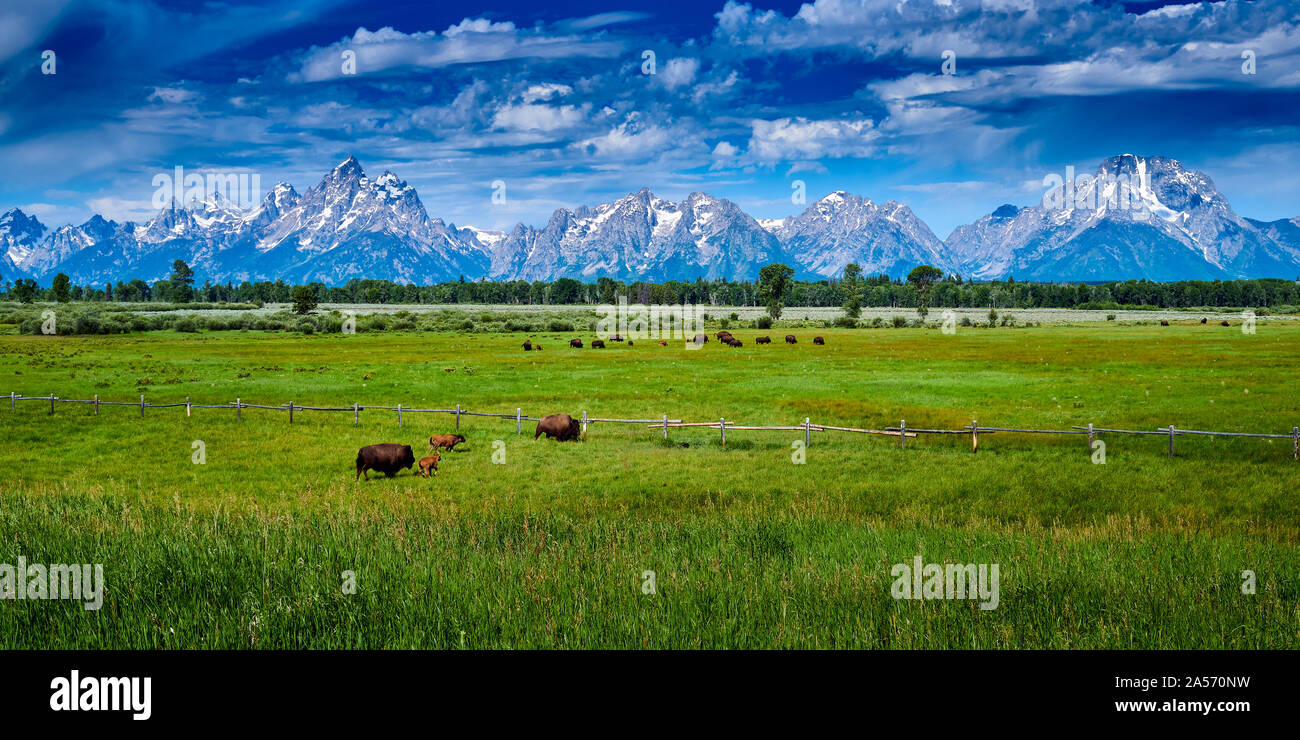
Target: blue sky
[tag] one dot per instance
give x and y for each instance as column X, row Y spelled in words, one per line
column 746, row 99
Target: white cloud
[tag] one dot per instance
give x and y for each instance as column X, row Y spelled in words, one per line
column 801, row 139
column 678, row 72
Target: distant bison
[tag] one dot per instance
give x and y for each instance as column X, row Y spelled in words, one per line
column 560, row 427
column 629, row 342
column 818, row 340
column 763, row 340
column 445, row 440
column 663, row 343
column 616, row 338
column 701, row 339
column 1224, row 323
column 597, row 344
column 386, row 458
column 1164, row 323
column 1202, row 319
column 736, row 343
column 722, row 335
column 537, row 347
column 575, row 343
column 428, row 464
column 789, row 339
column 528, row 346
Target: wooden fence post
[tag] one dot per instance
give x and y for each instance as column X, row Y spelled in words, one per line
column 399, row 416
column 97, row 405
column 1171, row 440
column 141, row 407
column 722, row 426
column 807, row 432
column 356, row 414
column 902, row 434
column 974, row 435
column 665, row 426
column 51, row 404
column 239, row 410
column 1090, row 436
column 291, row 412
column 458, row 417
column 519, row 421
column 11, row 400
column 584, row 423
column 1295, row 443
column 187, row 405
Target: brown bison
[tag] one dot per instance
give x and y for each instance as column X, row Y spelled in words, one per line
column 663, row 343
column 560, row 427
column 763, row 340
column 1202, row 319
column 537, row 347
column 445, row 440
column 597, row 344
column 429, row 464
column 736, row 343
column 575, row 343
column 528, row 346
column 1164, row 322
column 629, row 343
column 701, row 339
column 723, row 335
column 1224, row 323
column 818, row 340
column 789, row 339
column 386, row 458
column 616, row 338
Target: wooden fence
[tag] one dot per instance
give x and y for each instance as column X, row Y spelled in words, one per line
column 902, row 431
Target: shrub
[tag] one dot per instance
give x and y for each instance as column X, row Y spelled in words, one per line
column 187, row 325
column 900, row 322
column 845, row 322
column 763, row 322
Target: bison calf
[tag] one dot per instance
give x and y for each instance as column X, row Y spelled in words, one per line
column 428, row 464
column 386, row 458
column 560, row 427
column 445, row 440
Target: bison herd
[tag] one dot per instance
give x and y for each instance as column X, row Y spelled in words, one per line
column 723, row 336
column 391, row 458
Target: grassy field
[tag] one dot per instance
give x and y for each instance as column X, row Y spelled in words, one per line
column 750, row 550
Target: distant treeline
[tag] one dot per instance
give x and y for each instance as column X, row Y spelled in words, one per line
column 876, row 291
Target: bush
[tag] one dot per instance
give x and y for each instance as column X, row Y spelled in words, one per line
column 877, row 322
column 763, row 322
column 557, row 326
column 187, row 325
column 845, row 322
column 900, row 322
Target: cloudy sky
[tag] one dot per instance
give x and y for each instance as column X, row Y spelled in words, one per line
column 746, row 99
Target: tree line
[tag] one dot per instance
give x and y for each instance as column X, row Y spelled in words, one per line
column 775, row 287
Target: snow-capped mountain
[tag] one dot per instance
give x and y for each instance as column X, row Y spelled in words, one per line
column 640, row 237
column 19, row 235
column 842, row 228
column 1138, row 217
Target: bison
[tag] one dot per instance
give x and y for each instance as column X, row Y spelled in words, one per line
column 818, row 340
column 616, row 338
column 789, row 339
column 1164, row 322
column 763, row 340
column 1202, row 319
column 386, row 458
column 575, row 343
column 597, row 344
column 629, row 342
column 528, row 346
column 723, row 335
column 737, row 343
column 445, row 440
column 560, row 427
column 701, row 339
column 537, row 347
column 1224, row 323
column 429, row 464
column 663, row 343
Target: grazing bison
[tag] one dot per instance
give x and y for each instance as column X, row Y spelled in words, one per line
column 763, row 340
column 629, row 342
column 575, row 343
column 1202, row 319
column 701, row 339
column 597, row 344
column 537, row 347
column 663, row 343
column 818, row 340
column 737, row 343
column 1164, row 323
column 445, row 440
column 723, row 335
column 1224, row 323
column 528, row 346
column 560, row 427
column 429, row 463
column 616, row 338
column 386, row 458
column 789, row 339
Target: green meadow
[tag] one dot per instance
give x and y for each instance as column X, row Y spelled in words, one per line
column 270, row 543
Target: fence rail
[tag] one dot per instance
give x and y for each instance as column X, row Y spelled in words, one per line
column 902, row 431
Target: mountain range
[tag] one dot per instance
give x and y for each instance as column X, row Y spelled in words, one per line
column 1137, row 217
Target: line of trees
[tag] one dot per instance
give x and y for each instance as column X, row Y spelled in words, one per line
column 925, row 288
